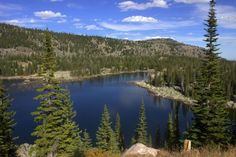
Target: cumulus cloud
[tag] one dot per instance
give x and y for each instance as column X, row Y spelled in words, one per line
column 140, row 19
column 48, row 14
column 131, row 5
column 148, row 26
column 192, row 1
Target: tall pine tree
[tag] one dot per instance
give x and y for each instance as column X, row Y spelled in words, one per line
column 141, row 130
column 118, row 132
column 210, row 123
column 57, row 134
column 170, row 133
column 105, row 136
column 7, row 146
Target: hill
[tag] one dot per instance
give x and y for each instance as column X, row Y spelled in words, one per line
column 16, row 40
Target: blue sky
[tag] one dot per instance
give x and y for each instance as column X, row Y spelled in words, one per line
column 181, row 20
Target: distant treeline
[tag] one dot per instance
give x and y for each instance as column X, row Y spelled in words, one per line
column 177, row 71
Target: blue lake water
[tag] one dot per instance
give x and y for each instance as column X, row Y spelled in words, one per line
column 89, row 97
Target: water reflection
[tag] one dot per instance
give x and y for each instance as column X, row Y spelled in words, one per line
column 89, row 97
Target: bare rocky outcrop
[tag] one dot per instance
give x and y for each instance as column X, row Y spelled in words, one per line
column 140, row 150
column 25, row 150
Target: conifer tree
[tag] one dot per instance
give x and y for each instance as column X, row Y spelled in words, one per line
column 150, row 140
column 57, row 134
column 86, row 141
column 170, row 132
column 176, row 127
column 105, row 136
column 210, row 123
column 7, row 145
column 157, row 138
column 118, row 132
column 141, row 130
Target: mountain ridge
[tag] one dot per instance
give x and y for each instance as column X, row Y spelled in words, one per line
column 15, row 40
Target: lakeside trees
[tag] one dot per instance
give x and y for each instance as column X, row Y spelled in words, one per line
column 105, row 136
column 56, row 131
column 141, row 130
column 210, row 126
column 7, row 123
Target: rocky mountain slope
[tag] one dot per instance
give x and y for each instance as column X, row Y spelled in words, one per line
column 16, row 40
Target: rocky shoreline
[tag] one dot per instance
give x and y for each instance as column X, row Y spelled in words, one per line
column 171, row 93
column 165, row 92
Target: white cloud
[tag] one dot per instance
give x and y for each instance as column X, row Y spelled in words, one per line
column 226, row 15
column 48, row 14
column 157, row 37
column 92, row 27
column 148, row 26
column 192, row 1
column 131, row 5
column 140, row 19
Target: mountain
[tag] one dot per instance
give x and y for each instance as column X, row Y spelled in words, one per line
column 16, row 40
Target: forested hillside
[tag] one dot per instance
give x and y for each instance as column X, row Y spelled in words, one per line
column 16, row 40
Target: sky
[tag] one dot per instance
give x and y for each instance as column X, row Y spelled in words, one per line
column 181, row 20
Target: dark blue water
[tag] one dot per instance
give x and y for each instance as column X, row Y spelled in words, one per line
column 89, row 97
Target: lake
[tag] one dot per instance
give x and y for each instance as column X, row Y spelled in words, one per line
column 89, row 97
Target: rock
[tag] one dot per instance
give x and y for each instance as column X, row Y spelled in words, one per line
column 140, row 150
column 24, row 151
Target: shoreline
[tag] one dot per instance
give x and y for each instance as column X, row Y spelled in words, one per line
column 165, row 92
column 67, row 78
column 171, row 93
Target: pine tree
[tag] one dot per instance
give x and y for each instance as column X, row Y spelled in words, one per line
column 106, row 139
column 210, row 123
column 150, row 140
column 141, row 130
column 7, row 145
column 157, row 138
column 118, row 132
column 170, row 133
column 57, row 133
column 86, row 141
column 176, row 127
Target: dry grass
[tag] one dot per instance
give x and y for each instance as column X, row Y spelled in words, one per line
column 200, row 153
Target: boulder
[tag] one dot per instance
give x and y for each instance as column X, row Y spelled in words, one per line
column 140, row 150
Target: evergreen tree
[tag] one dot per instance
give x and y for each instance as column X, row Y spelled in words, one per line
column 210, row 124
column 176, row 127
column 141, row 130
column 7, row 145
column 170, row 133
column 106, row 139
column 86, row 141
column 157, row 138
column 57, row 134
column 150, row 140
column 118, row 132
